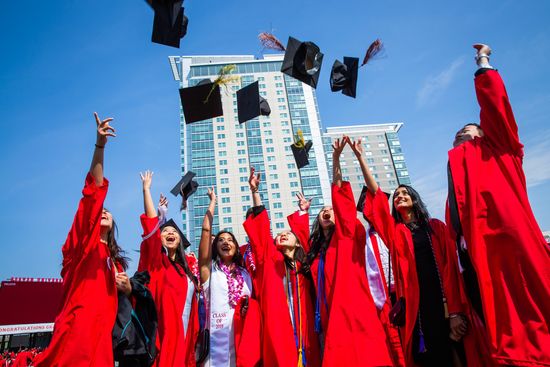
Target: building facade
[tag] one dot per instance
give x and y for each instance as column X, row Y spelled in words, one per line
column 382, row 152
column 220, row 150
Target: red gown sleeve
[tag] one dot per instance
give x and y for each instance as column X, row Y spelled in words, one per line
column 496, row 117
column 449, row 271
column 345, row 212
column 150, row 256
column 377, row 212
column 258, row 230
column 299, row 224
column 85, row 228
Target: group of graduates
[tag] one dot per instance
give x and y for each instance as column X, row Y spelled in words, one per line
column 22, row 358
column 474, row 292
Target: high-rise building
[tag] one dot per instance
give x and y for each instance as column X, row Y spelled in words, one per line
column 383, row 154
column 220, row 150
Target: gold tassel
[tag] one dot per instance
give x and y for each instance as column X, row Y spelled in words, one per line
column 300, row 142
column 300, row 361
column 223, row 79
column 445, row 307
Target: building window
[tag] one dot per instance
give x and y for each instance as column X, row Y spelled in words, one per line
column 273, row 176
column 270, row 150
column 243, row 169
column 227, row 220
column 225, row 190
column 241, row 151
column 222, row 153
column 388, row 175
column 226, row 210
column 221, row 145
column 276, row 195
column 220, row 127
column 240, row 135
column 294, row 184
column 223, row 162
column 274, row 185
column 224, row 180
column 291, row 166
column 270, row 158
column 243, row 179
column 278, row 215
column 272, row 167
column 277, row 205
column 244, row 188
column 240, row 143
column 223, row 171
column 381, row 145
column 245, row 197
column 226, row 200
column 292, row 175
column 279, row 225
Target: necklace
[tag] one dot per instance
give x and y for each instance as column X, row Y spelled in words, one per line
column 235, row 283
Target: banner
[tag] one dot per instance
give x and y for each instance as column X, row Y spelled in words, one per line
column 26, row 328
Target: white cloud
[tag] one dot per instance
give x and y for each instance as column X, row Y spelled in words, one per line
column 536, row 163
column 435, row 84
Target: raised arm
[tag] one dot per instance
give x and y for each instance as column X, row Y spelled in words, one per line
column 103, row 131
column 337, row 148
column 299, row 221
column 359, row 151
column 254, row 184
column 148, row 205
column 205, row 246
column 496, row 117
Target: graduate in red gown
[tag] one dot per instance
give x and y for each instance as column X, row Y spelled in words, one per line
column 505, row 258
column 299, row 223
column 173, row 284
column 233, row 316
column 284, row 291
column 92, row 272
column 426, row 277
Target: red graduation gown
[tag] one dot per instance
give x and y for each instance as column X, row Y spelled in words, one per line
column 23, row 359
column 505, row 243
column 399, row 239
column 299, row 223
column 169, row 290
column 278, row 343
column 247, row 334
column 83, row 328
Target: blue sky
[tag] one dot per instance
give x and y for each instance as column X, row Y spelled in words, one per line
column 63, row 60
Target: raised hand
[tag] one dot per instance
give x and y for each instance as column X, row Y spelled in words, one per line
column 482, row 49
column 357, row 147
column 212, row 195
column 338, row 146
column 162, row 208
column 123, row 283
column 103, row 130
column 147, row 179
column 253, row 180
column 303, row 202
column 163, row 201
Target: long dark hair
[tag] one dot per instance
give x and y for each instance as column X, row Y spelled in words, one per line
column 421, row 215
column 299, row 256
column 237, row 258
column 181, row 260
column 115, row 251
column 318, row 242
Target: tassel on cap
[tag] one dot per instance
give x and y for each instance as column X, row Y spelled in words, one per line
column 271, row 42
column 374, row 49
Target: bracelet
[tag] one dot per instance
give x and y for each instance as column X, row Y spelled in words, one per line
column 454, row 315
column 254, row 190
column 100, row 146
column 480, row 56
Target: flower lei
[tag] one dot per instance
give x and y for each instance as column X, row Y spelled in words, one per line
column 235, row 283
column 249, row 258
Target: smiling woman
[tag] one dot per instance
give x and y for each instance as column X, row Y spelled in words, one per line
column 233, row 318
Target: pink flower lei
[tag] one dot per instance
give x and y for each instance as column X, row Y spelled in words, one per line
column 235, row 283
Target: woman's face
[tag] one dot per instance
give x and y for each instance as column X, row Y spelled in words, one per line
column 286, row 239
column 226, row 246
column 170, row 237
column 402, row 201
column 106, row 219
column 326, row 217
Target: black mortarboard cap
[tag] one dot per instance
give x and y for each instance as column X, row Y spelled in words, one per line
column 171, row 223
column 344, row 76
column 185, row 187
column 250, row 104
column 201, row 102
column 301, row 154
column 170, row 23
column 363, row 196
column 302, row 61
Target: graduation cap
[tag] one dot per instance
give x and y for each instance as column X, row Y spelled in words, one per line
column 201, row 102
column 170, row 23
column 300, row 150
column 185, row 187
column 302, row 61
column 343, row 76
column 250, row 104
column 170, row 223
column 363, row 196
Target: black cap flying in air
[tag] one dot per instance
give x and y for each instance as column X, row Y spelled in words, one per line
column 343, row 76
column 201, row 102
column 250, row 104
column 300, row 150
column 302, row 61
column 185, row 187
column 170, row 22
